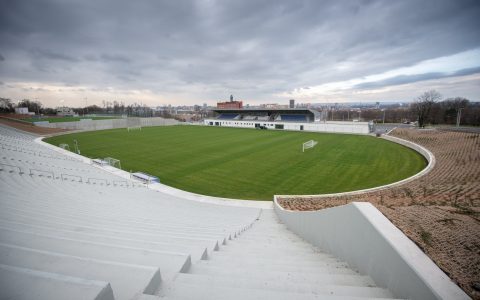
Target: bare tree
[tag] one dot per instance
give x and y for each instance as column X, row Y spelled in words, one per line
column 33, row 106
column 6, row 105
column 423, row 105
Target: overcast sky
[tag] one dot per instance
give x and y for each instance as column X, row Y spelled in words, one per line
column 194, row 52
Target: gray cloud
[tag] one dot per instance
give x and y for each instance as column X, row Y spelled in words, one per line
column 40, row 54
column 404, row 79
column 2, row 58
column 212, row 48
column 115, row 58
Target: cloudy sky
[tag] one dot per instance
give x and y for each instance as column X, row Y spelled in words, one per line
column 193, row 52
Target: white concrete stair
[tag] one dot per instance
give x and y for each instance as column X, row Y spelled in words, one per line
column 269, row 262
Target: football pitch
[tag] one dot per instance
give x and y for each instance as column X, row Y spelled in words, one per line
column 251, row 164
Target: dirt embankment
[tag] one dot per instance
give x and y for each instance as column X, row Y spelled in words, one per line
column 22, row 125
column 440, row 211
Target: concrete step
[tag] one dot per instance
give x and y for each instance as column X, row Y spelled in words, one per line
column 183, row 291
column 197, row 252
column 287, row 264
column 131, row 234
column 227, row 251
column 285, row 286
column 41, row 218
column 266, row 251
column 70, row 214
column 126, row 280
column 25, row 284
column 169, row 262
column 323, row 276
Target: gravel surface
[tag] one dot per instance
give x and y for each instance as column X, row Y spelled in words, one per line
column 440, row 211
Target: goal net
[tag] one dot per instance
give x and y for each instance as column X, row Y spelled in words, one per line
column 308, row 145
column 132, row 128
column 134, row 124
column 113, row 162
column 64, row 146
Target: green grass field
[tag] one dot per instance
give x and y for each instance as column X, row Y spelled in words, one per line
column 66, row 119
column 251, row 164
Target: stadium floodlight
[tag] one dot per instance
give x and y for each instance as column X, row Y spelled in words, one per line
column 308, row 145
column 64, row 146
column 113, row 162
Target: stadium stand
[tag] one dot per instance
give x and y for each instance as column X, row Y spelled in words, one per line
column 293, row 118
column 227, row 116
column 72, row 239
column 297, row 119
column 249, row 117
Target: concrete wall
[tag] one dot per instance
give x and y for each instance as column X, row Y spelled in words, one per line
column 359, row 234
column 337, row 127
column 109, row 123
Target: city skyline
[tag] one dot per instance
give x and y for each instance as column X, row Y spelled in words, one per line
column 194, row 52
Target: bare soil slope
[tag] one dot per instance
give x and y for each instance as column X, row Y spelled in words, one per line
column 30, row 127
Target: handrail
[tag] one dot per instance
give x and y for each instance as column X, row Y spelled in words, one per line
column 12, row 166
column 64, row 176
column 41, row 173
column 90, row 179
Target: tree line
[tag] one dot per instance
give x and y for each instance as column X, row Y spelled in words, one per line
column 427, row 109
column 110, row 108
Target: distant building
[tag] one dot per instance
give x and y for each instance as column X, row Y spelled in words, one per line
column 21, row 110
column 65, row 111
column 292, row 103
column 230, row 105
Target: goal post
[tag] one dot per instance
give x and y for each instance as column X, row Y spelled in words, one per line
column 132, row 128
column 113, row 162
column 134, row 124
column 308, row 145
column 64, row 146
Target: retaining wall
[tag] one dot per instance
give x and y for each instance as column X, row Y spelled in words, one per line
column 109, row 123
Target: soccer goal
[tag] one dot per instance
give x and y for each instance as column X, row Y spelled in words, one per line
column 113, row 162
column 308, row 145
column 64, row 146
column 133, row 128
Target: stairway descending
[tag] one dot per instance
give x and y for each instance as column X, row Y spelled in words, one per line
column 269, row 262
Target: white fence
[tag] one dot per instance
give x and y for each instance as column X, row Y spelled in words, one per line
column 336, row 127
column 109, row 123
